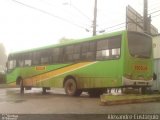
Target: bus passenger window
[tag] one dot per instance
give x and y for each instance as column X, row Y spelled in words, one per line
column 116, row 52
column 36, row 58
column 72, row 53
column 105, row 53
column 57, row 55
column 44, row 60
column 12, row 64
column 76, row 53
column 68, row 53
column 108, row 48
column 20, row 63
column 27, row 62
column 88, row 51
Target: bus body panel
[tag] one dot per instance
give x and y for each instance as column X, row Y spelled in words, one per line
column 106, row 73
column 137, row 71
column 26, row 72
column 91, row 76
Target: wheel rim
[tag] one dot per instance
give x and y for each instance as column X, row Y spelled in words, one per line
column 21, row 83
column 70, row 88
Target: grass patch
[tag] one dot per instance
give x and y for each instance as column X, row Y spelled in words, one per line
column 126, row 99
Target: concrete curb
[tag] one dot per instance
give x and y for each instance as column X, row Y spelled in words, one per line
column 5, row 86
column 106, row 100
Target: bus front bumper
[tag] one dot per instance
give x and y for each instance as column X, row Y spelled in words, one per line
column 130, row 82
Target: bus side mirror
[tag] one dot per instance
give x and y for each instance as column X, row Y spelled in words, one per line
column 154, row 76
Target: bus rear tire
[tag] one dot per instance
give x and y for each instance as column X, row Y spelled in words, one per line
column 70, row 87
column 21, row 87
column 44, row 90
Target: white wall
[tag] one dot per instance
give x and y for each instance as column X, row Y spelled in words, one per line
column 156, row 47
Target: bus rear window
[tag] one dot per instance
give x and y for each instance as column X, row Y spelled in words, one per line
column 140, row 45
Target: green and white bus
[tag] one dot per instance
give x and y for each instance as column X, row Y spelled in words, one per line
column 116, row 60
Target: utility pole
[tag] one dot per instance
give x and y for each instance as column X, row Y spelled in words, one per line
column 95, row 18
column 146, row 19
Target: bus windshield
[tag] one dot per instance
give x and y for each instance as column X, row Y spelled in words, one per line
column 140, row 45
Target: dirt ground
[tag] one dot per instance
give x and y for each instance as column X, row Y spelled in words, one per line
column 56, row 102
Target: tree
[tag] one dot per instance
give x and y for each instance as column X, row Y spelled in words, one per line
column 64, row 39
column 3, row 57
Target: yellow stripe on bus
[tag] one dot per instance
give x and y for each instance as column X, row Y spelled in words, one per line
column 45, row 76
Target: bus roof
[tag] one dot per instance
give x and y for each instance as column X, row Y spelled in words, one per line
column 72, row 42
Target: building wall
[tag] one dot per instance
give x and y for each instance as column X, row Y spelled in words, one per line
column 156, row 47
column 156, row 83
column 156, row 56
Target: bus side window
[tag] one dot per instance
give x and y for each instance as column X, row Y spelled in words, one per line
column 102, row 50
column 36, row 58
column 44, row 57
column 27, row 58
column 68, row 56
column 114, row 46
column 77, row 51
column 56, row 55
column 116, row 52
column 11, row 64
column 27, row 62
column 20, row 63
column 88, row 51
column 108, row 48
column 44, row 60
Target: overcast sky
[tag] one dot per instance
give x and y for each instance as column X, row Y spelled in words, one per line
column 26, row 24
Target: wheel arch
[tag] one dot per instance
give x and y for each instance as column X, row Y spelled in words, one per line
column 69, row 76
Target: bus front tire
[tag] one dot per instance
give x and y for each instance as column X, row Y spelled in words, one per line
column 70, row 87
column 43, row 90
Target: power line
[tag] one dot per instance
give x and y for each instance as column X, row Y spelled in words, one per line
column 83, row 14
column 154, row 12
column 118, row 25
column 73, row 6
column 50, row 14
column 103, row 30
column 154, row 3
column 117, row 28
column 154, row 8
column 115, row 25
column 155, row 15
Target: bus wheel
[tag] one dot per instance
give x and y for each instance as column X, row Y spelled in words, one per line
column 95, row 93
column 70, row 87
column 21, row 87
column 44, row 90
